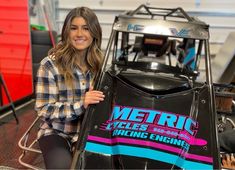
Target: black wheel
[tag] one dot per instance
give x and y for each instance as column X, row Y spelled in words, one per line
column 42, row 37
column 35, row 70
column 39, row 52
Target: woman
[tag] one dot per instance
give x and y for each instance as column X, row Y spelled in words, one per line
column 64, row 86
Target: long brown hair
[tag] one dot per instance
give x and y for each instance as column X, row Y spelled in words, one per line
column 64, row 53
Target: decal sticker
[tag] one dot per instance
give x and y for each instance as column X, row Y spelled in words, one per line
column 181, row 33
column 163, row 136
column 135, row 27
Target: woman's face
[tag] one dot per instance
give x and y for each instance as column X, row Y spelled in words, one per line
column 79, row 34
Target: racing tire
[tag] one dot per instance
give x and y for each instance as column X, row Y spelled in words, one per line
column 35, row 70
column 39, row 52
column 42, row 37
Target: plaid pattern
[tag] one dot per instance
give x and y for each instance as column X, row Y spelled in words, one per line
column 58, row 105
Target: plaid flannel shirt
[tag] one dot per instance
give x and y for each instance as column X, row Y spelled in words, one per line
column 59, row 106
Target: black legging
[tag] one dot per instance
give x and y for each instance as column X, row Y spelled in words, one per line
column 227, row 141
column 56, row 152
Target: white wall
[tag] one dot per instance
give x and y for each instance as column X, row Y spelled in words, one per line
column 220, row 15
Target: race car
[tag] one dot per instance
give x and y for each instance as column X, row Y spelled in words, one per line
column 157, row 112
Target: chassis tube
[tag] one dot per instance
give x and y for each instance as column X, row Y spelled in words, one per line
column 212, row 104
column 83, row 132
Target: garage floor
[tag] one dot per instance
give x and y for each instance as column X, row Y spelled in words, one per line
column 10, row 134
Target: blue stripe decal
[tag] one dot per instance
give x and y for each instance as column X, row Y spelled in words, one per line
column 190, row 56
column 145, row 153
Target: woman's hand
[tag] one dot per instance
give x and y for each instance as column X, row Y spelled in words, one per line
column 93, row 97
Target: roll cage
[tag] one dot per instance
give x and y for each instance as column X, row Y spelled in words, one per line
column 132, row 28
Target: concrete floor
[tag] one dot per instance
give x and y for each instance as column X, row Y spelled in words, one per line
column 11, row 132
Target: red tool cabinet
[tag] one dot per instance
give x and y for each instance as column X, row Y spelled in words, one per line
column 15, row 50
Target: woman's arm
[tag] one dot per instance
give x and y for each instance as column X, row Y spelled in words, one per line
column 47, row 94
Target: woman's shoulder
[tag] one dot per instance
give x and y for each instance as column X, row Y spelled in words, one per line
column 48, row 62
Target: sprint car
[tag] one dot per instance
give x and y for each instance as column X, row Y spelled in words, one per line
column 157, row 113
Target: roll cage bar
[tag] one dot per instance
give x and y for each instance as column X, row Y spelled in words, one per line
column 164, row 12
column 138, row 22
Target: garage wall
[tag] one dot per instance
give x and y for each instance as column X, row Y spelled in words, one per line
column 220, row 15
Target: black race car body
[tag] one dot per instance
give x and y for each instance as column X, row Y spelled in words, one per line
column 156, row 113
